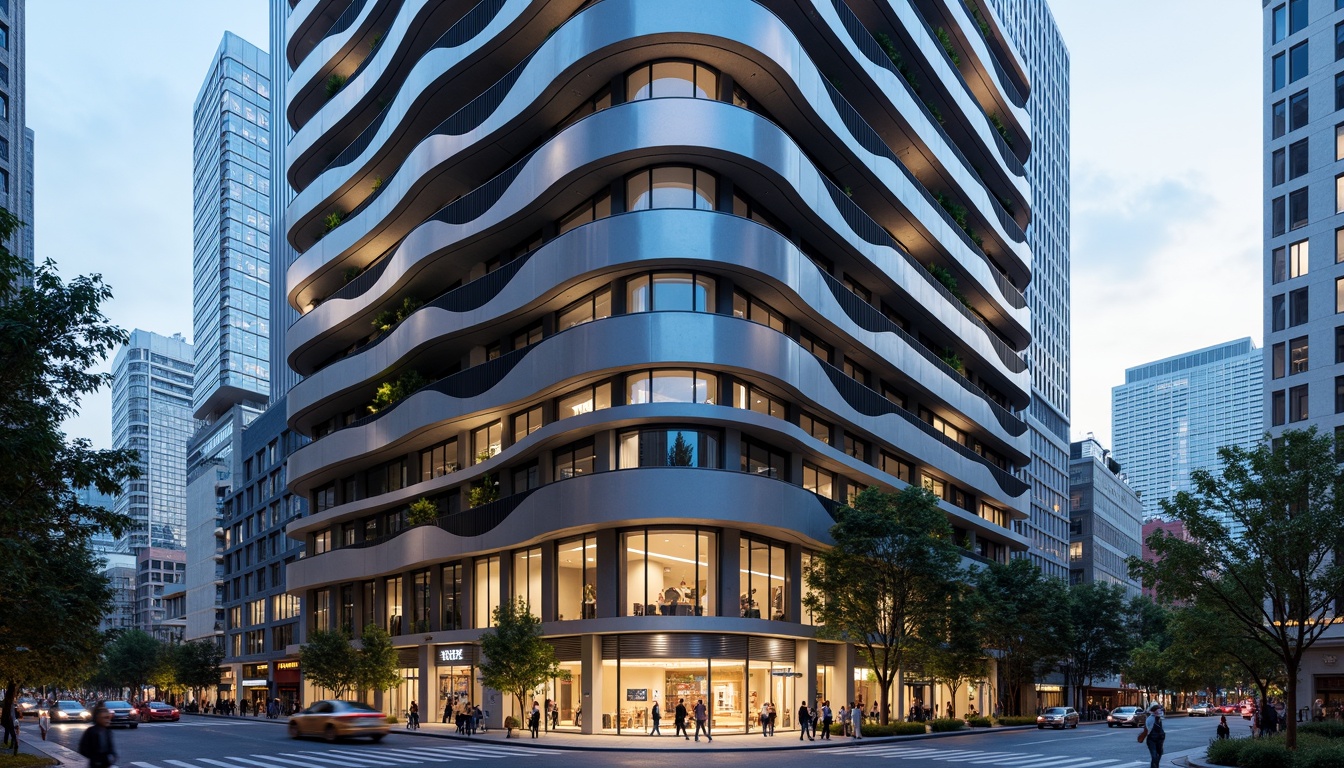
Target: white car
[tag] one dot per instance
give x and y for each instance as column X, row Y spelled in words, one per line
column 1203, row 709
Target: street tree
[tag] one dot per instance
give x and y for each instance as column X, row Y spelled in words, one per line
column 1277, row 577
column 376, row 661
column 53, row 336
column 1026, row 625
column 132, row 659
column 198, row 665
column 955, row 653
column 517, row 660
column 1235, row 657
column 886, row 583
column 330, row 661
column 1148, row 668
column 1099, row 641
column 166, row 675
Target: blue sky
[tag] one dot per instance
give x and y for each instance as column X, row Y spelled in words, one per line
column 1166, row 159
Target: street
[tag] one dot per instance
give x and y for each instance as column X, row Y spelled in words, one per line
column 198, row 742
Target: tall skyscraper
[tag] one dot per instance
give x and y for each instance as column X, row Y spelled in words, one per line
column 231, row 303
column 684, row 279
column 151, row 413
column 1032, row 27
column 1171, row 416
column 1105, row 518
column 16, row 139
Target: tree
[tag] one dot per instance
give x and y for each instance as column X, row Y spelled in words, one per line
column 885, row 583
column 681, row 454
column 133, row 658
column 329, row 661
column 376, row 661
column 422, row 511
column 1027, row 623
column 1277, row 579
column 956, row 655
column 198, row 665
column 1099, row 641
column 166, row 675
column 1148, row 668
column 517, row 660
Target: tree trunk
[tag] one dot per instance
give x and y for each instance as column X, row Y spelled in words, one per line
column 7, row 718
column 1290, row 710
column 883, row 697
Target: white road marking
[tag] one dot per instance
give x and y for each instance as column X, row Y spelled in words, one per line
column 278, row 759
column 343, row 761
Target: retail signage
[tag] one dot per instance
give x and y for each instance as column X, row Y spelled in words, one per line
column 452, row 654
column 786, row 674
column 255, row 683
column 286, row 665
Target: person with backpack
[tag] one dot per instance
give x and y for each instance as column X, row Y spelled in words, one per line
column 1153, row 735
column 826, row 720
column 1223, row 731
column 804, row 721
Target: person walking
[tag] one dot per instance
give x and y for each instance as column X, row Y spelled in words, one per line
column 534, row 720
column 1154, row 735
column 43, row 722
column 656, row 715
column 96, row 743
column 1223, row 730
column 856, row 720
column 774, row 718
column 804, row 721
column 680, row 721
column 826, row 720
column 447, row 710
column 413, row 717
column 765, row 719
column 701, row 720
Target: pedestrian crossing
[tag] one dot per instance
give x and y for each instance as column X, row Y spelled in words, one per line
column 977, row 757
column 206, row 723
column 351, row 757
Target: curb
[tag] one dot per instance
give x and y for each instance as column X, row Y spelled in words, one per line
column 55, row 751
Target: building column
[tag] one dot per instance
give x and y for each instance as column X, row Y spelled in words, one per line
column 425, row 695
column 730, row 573
column 610, row 582
column 844, row 673
column 547, row 610
column 590, row 683
column 805, row 661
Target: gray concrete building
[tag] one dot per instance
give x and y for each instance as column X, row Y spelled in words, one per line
column 689, row 296
column 1105, row 518
column 16, row 139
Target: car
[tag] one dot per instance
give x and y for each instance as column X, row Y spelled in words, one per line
column 157, row 710
column 1229, row 709
column 1247, row 710
column 68, row 711
column 334, row 719
column 123, row 714
column 1202, row 709
column 1124, row 716
column 1058, row 717
column 28, row 706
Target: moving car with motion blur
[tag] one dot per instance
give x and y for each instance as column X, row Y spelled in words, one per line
column 123, row 714
column 1202, row 709
column 150, row 711
column 333, row 719
column 1058, row 717
column 69, row 711
column 1125, row 716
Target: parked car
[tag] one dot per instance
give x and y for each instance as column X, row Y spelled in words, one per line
column 69, row 711
column 157, row 710
column 1229, row 709
column 1058, row 717
column 1124, row 716
column 1202, row 709
column 123, row 714
column 333, row 719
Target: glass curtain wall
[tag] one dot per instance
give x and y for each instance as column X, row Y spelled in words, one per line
column 576, row 579
column 763, row 579
column 670, row 573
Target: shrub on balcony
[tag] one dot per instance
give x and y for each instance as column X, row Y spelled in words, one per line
column 953, row 361
column 1000, row 127
column 391, row 392
column 384, row 321
column 422, row 511
column 949, row 282
column 333, row 220
column 483, row 491
column 946, row 40
column 334, row 85
column 889, row 48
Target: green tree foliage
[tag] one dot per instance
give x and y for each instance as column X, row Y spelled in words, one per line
column 1027, row 623
column 483, row 491
column 329, row 661
column 517, row 660
column 391, row 392
column 376, row 661
column 164, row 677
column 955, row 653
column 53, row 334
column 132, row 659
column 422, row 511
column 886, row 583
column 1278, row 580
column 385, row 320
column 1100, row 641
column 681, row 454
column 198, row 665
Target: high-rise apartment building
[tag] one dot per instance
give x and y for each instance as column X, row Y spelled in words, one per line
column 231, row 302
column 151, row 413
column 1031, row 25
column 102, row 541
column 16, row 139
column 1172, row 415
column 655, row 300
column 1105, row 518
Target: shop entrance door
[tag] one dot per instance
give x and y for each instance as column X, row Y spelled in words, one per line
column 454, row 688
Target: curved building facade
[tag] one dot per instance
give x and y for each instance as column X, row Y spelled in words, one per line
column 637, row 293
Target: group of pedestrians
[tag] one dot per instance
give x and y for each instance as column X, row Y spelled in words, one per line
column 466, row 716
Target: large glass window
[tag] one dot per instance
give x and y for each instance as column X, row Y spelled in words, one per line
column 1297, row 209
column 1279, row 122
column 1299, row 110
column 669, row 447
column 750, row 308
column 576, row 579
column 809, row 617
column 1279, row 71
column 439, row 460
column 1297, row 258
column 486, row 441
column 895, row 466
column 1277, row 168
column 1297, row 307
column 818, row 480
column 421, row 606
column 1297, row 62
column 527, row 578
column 589, row 211
column 1297, row 404
column 670, row 291
column 815, row 427
column 750, row 398
column 1279, row 265
column 575, row 459
column 322, row 610
column 526, row 422
column 1278, row 358
column 392, row 604
column 1298, row 355
column 1297, row 158
column 672, row 386
column 1279, row 24
column 452, row 597
column 586, row 400
column 763, row 569
column 1297, row 16
column 671, row 79
column 594, row 306
column 485, row 591
column 670, row 187
column 761, row 459
column 670, row 573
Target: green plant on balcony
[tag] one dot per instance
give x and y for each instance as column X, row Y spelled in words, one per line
column 422, row 511
column 889, row 48
column 955, row 210
column 375, row 42
column 953, row 360
column 351, row 273
column 949, row 281
column 377, row 183
column 1001, row 128
column 1007, row 204
column 385, row 320
column 946, row 40
column 483, row 491
column 334, row 85
column 979, row 18
column 332, row 220
column 391, row 392
column 933, row 110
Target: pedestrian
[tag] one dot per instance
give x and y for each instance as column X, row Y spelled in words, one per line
column 804, row 718
column 655, row 716
column 873, row 714
column 826, row 720
column 534, row 720
column 476, row 716
column 447, row 710
column 43, row 722
column 413, row 717
column 701, row 720
column 11, row 723
column 856, row 720
column 774, row 718
column 1223, row 730
column 1153, row 735
column 680, row 719
column 546, row 715
column 96, row 743
column 1269, row 719
column 555, row 715
column 950, row 712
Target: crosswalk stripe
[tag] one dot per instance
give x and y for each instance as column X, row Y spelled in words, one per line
column 223, row 764
column 440, row 754
column 885, row 750
column 145, row 765
column 1053, row 762
column 958, row 752
column 180, row 764
column 279, row 759
column 344, row 761
column 981, row 755
column 1095, row 763
column 391, row 753
column 997, row 759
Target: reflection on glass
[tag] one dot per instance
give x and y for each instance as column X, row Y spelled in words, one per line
column 486, row 591
column 669, row 448
column 670, row 187
column 672, row 79
column 527, row 578
column 392, row 599
column 585, row 400
column 762, row 578
column 670, row 291
column 672, row 386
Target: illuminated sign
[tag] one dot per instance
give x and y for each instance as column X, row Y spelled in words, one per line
column 254, row 683
column 286, row 665
column 452, row 654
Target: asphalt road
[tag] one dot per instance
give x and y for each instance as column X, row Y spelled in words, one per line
column 206, row 743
